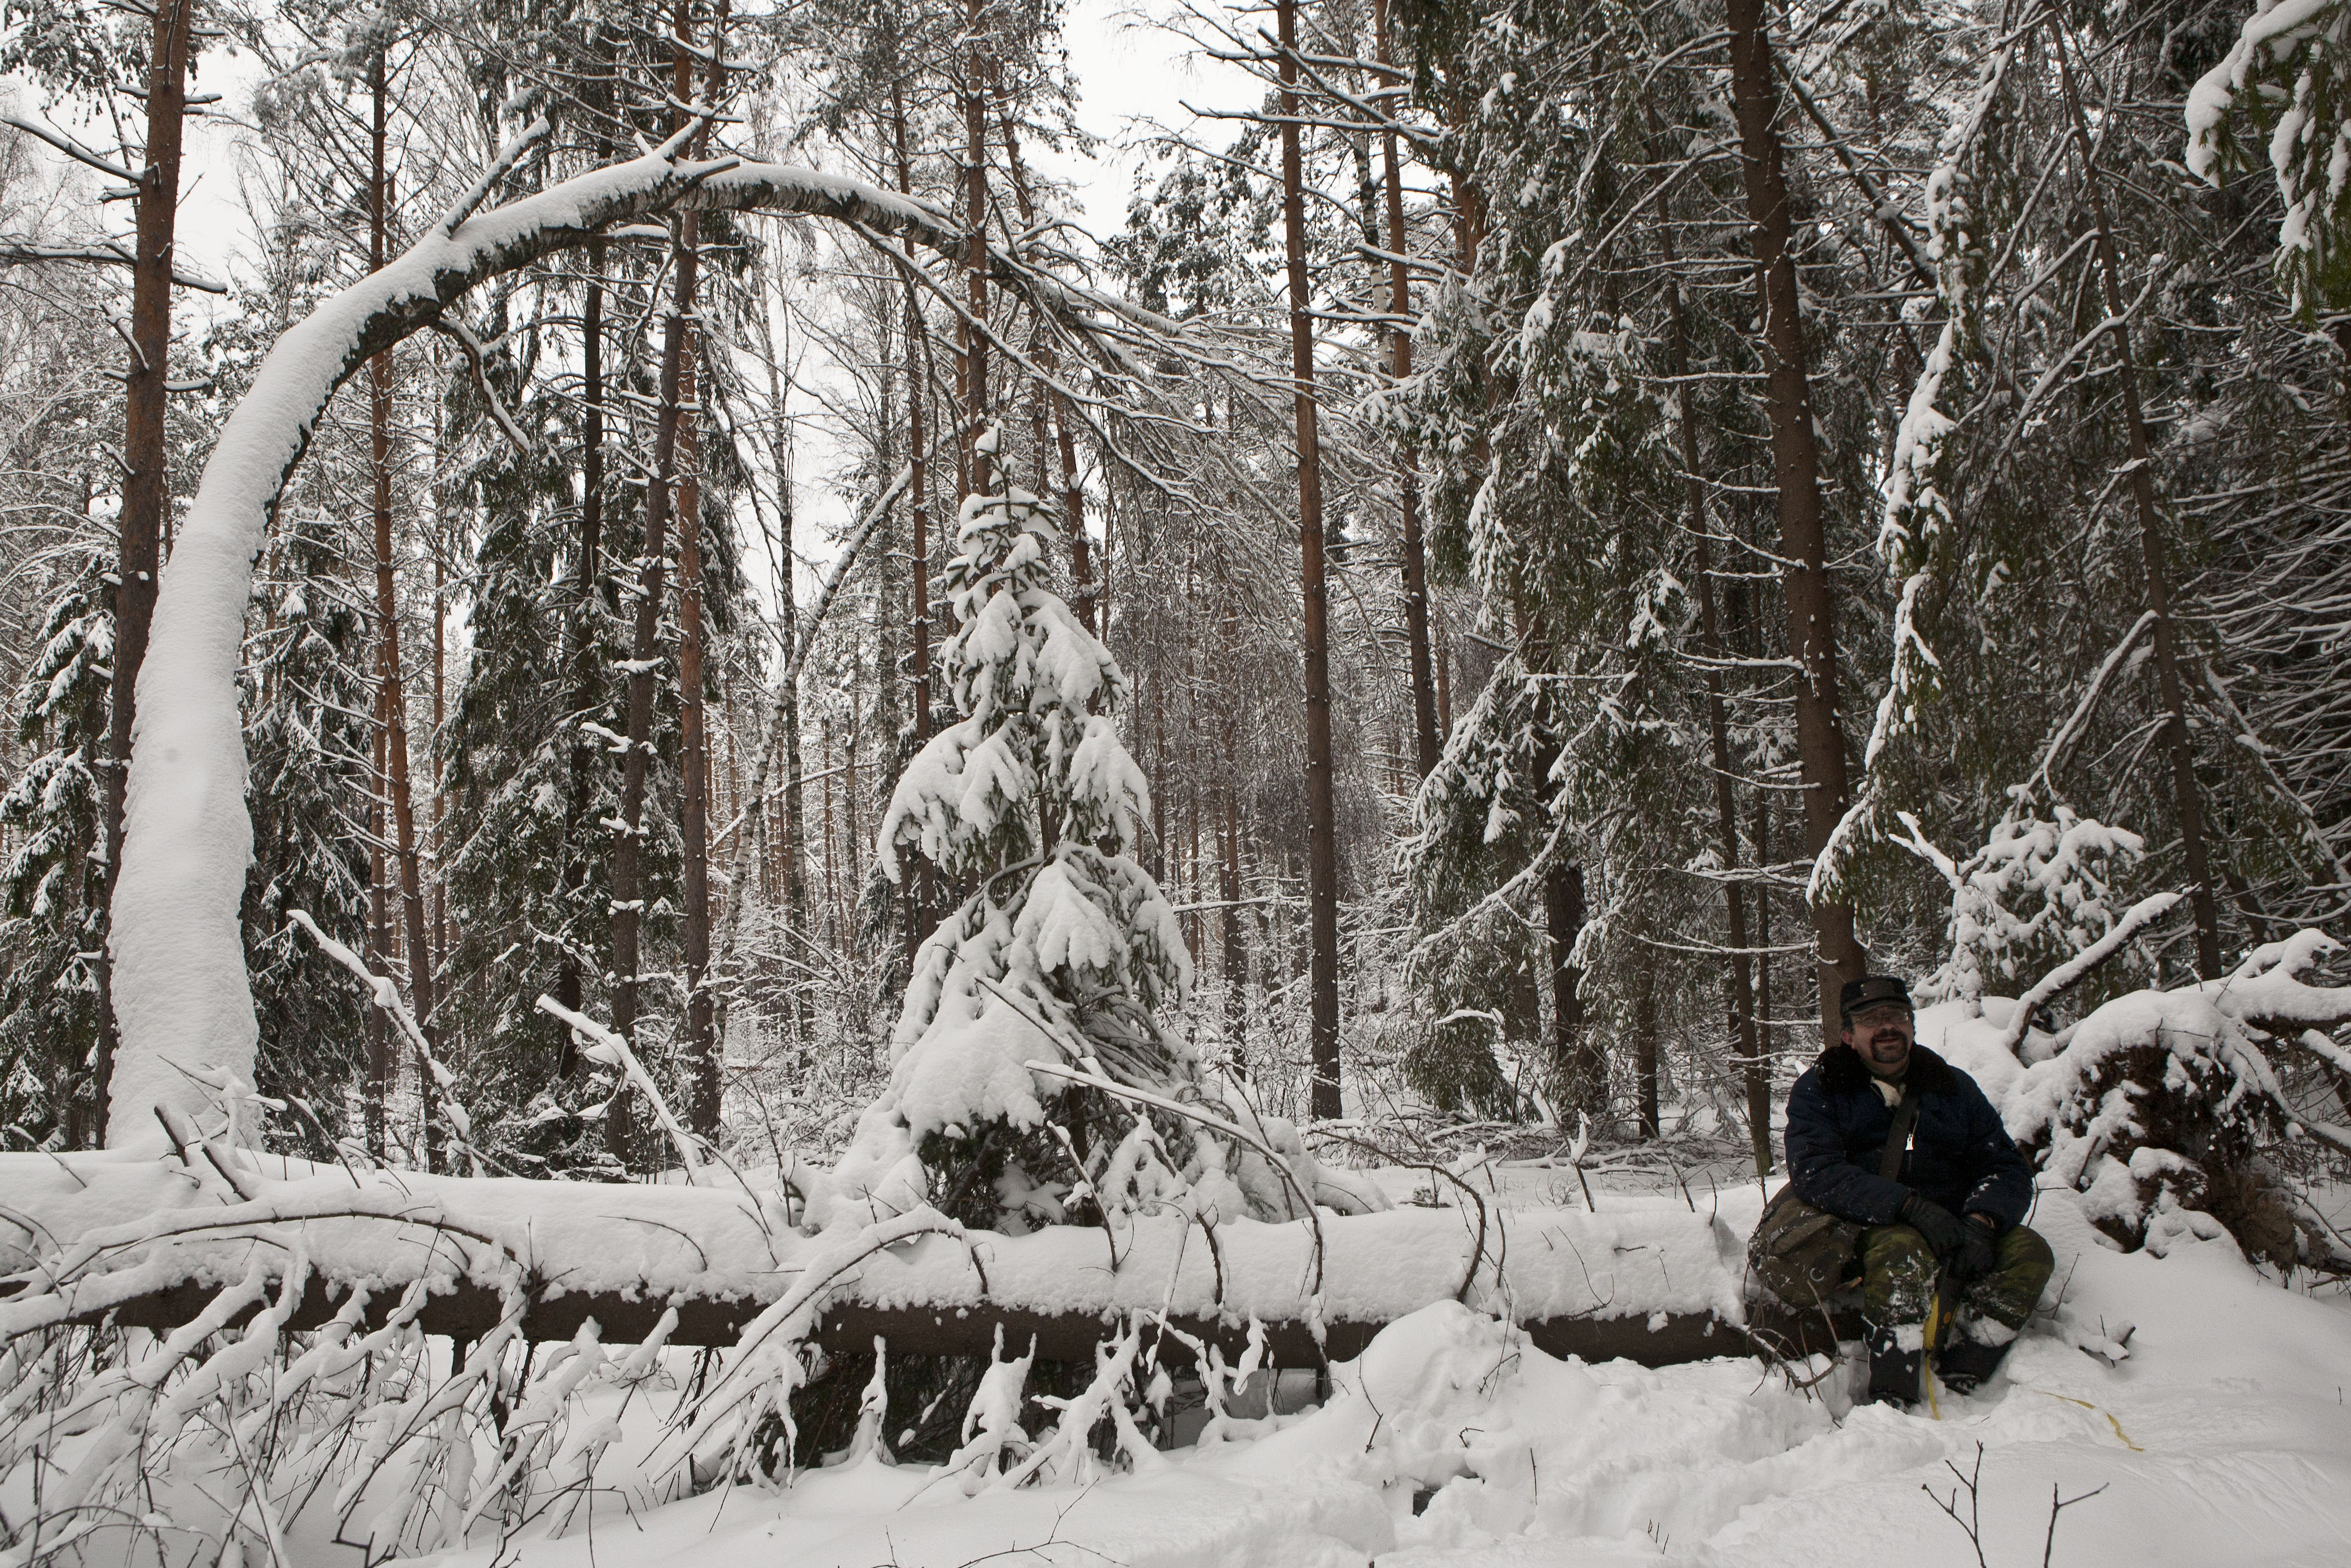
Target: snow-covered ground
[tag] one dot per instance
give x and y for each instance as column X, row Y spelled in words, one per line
column 2223, row 1438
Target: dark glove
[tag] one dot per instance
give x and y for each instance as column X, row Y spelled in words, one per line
column 1980, row 1255
column 1945, row 1234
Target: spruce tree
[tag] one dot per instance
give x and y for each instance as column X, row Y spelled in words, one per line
column 308, row 688
column 53, row 886
column 1065, row 952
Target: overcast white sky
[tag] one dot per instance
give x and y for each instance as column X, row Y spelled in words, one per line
column 1133, row 74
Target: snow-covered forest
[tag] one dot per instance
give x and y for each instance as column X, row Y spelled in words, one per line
column 844, row 782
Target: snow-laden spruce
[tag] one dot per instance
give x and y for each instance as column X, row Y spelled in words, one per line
column 1031, row 1068
column 2286, row 74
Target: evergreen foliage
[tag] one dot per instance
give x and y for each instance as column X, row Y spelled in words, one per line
column 52, row 914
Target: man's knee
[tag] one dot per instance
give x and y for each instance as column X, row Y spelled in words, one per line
column 1897, row 1248
column 2025, row 1259
column 2013, row 1289
column 1897, row 1274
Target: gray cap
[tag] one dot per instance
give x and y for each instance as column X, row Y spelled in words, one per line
column 1873, row 991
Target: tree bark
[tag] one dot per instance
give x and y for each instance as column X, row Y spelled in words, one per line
column 792, row 884
column 386, row 607
column 979, row 469
column 645, row 651
column 1407, row 462
column 1321, row 827
column 693, row 825
column 1765, row 1044
column 795, row 877
column 587, row 678
column 145, row 496
column 918, row 396
column 1754, row 1070
column 1049, row 400
column 378, row 1094
column 701, row 1045
column 1645, row 1040
column 1795, row 462
column 1579, row 1063
column 2187, row 796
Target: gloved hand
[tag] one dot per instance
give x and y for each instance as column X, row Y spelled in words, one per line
column 1980, row 1253
column 1946, row 1234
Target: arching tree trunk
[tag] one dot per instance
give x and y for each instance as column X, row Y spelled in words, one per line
column 181, row 990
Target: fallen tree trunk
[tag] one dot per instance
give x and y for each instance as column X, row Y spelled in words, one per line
column 469, row 1312
column 149, row 1244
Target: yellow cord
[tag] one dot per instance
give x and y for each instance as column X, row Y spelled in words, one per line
column 2120, row 1436
column 1925, row 1351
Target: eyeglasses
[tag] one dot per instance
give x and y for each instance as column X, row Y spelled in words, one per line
column 1876, row 1017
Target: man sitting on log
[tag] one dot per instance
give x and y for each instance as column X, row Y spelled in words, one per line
column 1901, row 1173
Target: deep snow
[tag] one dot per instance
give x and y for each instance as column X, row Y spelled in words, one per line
column 2223, row 1438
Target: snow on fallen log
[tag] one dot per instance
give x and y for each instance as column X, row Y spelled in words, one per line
column 153, row 1243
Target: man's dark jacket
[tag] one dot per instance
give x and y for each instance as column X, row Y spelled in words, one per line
column 1959, row 1154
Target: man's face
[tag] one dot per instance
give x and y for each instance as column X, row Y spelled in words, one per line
column 1882, row 1035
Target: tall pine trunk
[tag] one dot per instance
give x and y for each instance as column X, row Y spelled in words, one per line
column 1425, row 744
column 979, row 469
column 694, row 827
column 1578, row 1065
column 1795, row 463
column 145, row 495
column 1754, row 1070
column 645, row 651
column 585, row 669
column 1322, row 825
column 377, row 1098
column 701, row 1045
column 1644, row 1038
column 386, row 602
column 918, row 396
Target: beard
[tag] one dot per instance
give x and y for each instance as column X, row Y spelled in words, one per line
column 1887, row 1048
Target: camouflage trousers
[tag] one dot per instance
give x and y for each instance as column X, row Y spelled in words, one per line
column 1897, row 1277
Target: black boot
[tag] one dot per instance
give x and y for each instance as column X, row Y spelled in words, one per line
column 1965, row 1366
column 1893, row 1371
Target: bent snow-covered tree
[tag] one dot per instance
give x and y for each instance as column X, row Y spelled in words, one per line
column 1034, row 1078
column 181, row 992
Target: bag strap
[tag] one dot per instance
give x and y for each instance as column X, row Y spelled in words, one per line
column 1906, row 1116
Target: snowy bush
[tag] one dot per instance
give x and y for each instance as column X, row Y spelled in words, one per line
column 2160, row 1102
column 2037, row 893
